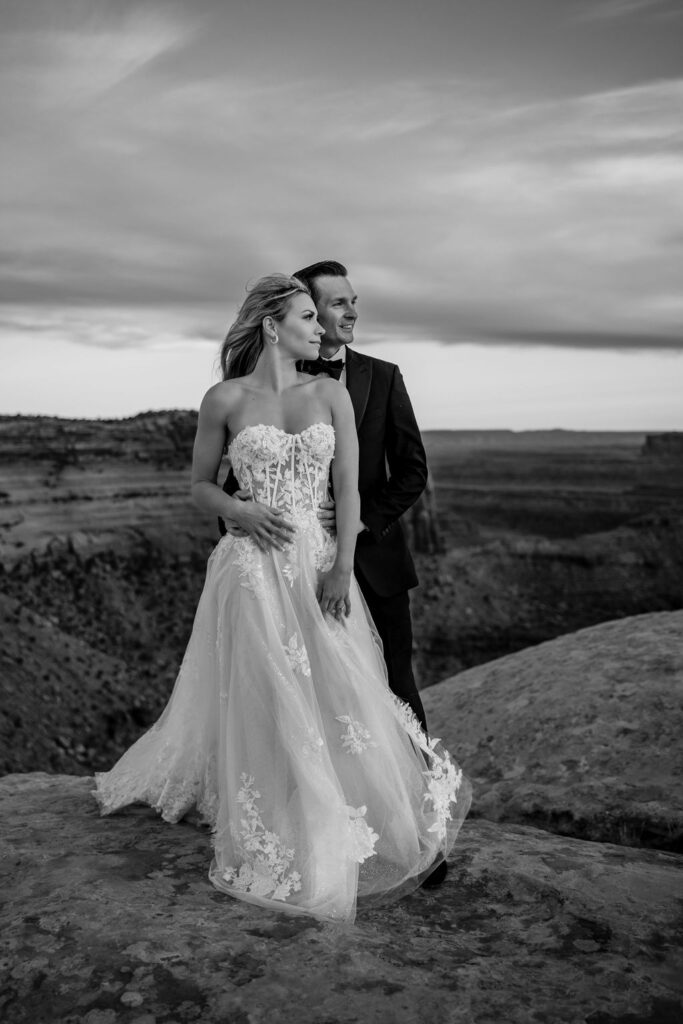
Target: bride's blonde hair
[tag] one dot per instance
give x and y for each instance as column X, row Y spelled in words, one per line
column 270, row 296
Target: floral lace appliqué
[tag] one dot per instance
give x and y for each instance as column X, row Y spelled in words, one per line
column 407, row 718
column 325, row 552
column 356, row 738
column 443, row 783
column 266, row 872
column 297, row 656
column 363, row 838
column 283, row 470
column 288, row 472
column 291, row 572
column 443, row 778
column 250, row 566
column 312, row 747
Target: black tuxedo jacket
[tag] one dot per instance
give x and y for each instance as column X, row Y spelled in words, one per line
column 392, row 472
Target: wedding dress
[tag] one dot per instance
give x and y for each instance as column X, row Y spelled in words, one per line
column 318, row 783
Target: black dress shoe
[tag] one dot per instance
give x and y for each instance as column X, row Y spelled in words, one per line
column 436, row 877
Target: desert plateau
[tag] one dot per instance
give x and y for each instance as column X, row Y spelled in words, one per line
column 521, row 537
column 548, row 642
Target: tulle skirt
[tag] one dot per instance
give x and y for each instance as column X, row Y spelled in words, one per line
column 318, row 783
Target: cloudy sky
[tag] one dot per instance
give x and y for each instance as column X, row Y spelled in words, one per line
column 504, row 179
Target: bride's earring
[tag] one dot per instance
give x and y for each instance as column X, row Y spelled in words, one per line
column 274, row 340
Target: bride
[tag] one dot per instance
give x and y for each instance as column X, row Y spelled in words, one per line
column 318, row 783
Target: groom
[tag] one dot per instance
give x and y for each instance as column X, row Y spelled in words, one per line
column 388, row 436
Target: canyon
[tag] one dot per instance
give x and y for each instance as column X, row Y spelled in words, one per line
column 520, row 538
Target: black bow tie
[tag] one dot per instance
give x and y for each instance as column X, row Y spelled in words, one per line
column 332, row 366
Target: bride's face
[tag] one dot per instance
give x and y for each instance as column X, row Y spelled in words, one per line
column 299, row 332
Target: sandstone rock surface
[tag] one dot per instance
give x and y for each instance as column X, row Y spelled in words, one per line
column 109, row 920
column 580, row 734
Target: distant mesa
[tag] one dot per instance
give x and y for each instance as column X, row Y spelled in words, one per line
column 163, row 437
column 669, row 445
column 662, row 462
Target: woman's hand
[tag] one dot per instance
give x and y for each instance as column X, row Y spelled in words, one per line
column 333, row 592
column 266, row 526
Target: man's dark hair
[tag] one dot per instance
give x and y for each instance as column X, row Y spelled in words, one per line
column 325, row 268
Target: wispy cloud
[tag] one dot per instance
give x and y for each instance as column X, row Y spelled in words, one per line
column 602, row 10
column 109, row 327
column 462, row 215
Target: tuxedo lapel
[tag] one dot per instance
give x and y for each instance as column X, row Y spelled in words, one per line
column 358, row 379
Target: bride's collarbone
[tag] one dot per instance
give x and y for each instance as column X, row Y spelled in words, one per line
column 291, row 416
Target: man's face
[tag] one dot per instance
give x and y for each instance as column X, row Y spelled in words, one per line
column 336, row 303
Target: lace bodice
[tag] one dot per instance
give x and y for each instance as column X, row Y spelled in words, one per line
column 287, row 471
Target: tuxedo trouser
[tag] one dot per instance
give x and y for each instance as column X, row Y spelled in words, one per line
column 391, row 616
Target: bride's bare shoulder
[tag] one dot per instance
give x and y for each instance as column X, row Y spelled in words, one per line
column 329, row 389
column 223, row 397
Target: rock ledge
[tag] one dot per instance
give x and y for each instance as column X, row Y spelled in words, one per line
column 110, row 920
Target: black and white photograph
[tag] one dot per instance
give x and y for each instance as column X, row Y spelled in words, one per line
column 341, row 512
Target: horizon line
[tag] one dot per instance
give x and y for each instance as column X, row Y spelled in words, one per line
column 425, row 430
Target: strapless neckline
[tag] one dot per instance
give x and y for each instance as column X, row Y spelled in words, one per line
column 271, row 426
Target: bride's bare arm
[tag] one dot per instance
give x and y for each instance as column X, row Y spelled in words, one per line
column 334, row 586
column 263, row 524
column 345, row 476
